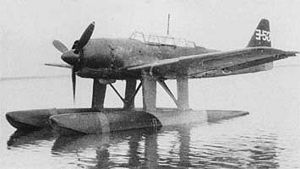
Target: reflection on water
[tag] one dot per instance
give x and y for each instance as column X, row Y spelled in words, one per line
column 22, row 138
column 171, row 147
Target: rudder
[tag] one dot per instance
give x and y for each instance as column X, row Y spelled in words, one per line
column 261, row 35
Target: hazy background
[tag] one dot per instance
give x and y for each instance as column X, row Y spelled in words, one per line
column 27, row 27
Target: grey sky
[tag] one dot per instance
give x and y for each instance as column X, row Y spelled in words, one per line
column 29, row 26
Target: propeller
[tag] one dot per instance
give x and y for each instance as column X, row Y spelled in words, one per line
column 60, row 46
column 75, row 56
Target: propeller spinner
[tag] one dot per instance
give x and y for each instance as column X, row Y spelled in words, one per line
column 75, row 56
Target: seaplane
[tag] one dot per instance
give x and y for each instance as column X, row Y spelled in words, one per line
column 149, row 60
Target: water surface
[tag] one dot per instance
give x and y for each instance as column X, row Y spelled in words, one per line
column 267, row 138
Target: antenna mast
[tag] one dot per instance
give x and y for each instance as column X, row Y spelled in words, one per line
column 168, row 24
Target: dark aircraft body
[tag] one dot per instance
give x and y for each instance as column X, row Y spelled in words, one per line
column 122, row 59
column 111, row 58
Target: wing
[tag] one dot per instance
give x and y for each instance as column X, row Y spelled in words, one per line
column 216, row 61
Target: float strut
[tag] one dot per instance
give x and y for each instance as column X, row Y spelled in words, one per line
column 166, row 88
column 116, row 91
column 149, row 92
column 98, row 95
column 130, row 93
column 182, row 92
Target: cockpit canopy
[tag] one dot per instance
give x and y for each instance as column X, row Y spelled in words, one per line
column 161, row 40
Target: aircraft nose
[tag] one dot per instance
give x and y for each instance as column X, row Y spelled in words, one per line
column 70, row 57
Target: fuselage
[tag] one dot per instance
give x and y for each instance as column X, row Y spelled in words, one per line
column 119, row 53
column 110, row 56
column 108, row 59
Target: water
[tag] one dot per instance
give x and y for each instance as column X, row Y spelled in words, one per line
column 267, row 138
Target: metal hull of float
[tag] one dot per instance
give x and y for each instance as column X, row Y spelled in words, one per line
column 104, row 122
column 36, row 119
column 119, row 120
column 169, row 116
column 69, row 121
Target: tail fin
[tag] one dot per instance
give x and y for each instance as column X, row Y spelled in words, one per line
column 261, row 35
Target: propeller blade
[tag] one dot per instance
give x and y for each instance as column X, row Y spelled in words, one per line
column 58, row 65
column 60, row 46
column 85, row 37
column 73, row 83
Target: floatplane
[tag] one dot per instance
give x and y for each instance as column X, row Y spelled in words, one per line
column 149, row 60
